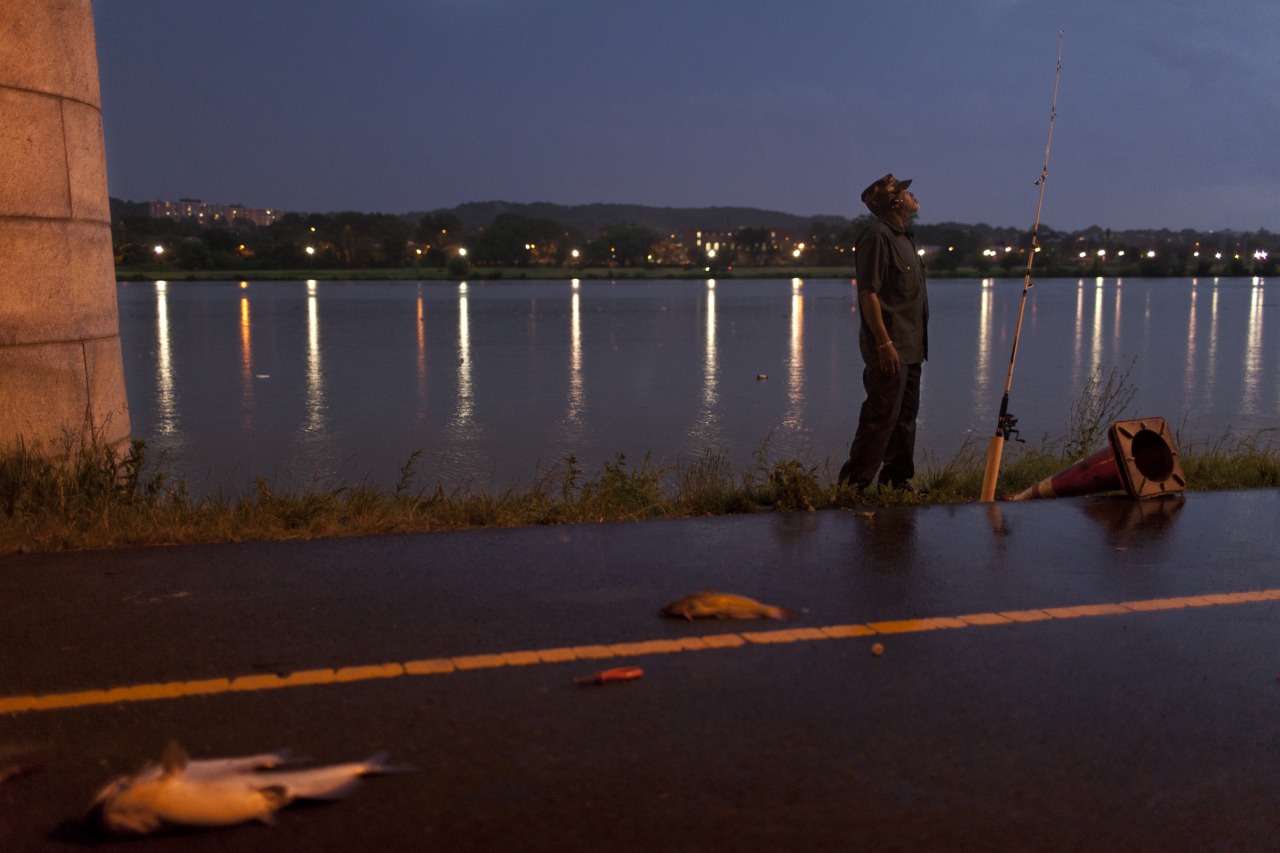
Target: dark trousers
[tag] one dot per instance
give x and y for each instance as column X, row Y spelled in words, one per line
column 886, row 433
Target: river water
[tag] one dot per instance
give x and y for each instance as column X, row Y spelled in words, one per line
column 496, row 382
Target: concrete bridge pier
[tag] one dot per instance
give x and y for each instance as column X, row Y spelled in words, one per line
column 61, row 370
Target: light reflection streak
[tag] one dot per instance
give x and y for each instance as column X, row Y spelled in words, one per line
column 465, row 410
column 421, row 413
column 1211, row 361
column 1252, row 354
column 577, row 392
column 316, row 409
column 1095, row 350
column 1115, row 332
column 1188, row 383
column 1077, row 362
column 981, row 379
column 246, row 363
column 706, row 430
column 166, row 395
column 794, row 418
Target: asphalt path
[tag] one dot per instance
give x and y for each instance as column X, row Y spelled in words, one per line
column 1077, row 674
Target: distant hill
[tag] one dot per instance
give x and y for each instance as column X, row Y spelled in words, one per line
column 591, row 218
column 121, row 208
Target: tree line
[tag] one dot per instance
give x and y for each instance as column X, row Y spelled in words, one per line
column 354, row 240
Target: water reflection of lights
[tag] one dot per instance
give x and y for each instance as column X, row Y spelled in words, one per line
column 707, row 430
column 246, row 362
column 1188, row 383
column 577, row 392
column 794, row 418
column 466, row 401
column 1212, row 356
column 421, row 413
column 1077, row 361
column 986, row 316
column 166, row 396
column 1253, row 353
column 1115, row 333
column 316, row 409
column 1095, row 348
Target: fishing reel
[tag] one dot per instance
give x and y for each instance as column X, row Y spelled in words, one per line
column 1006, row 428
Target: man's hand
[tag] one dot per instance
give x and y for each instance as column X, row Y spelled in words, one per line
column 887, row 359
column 886, row 354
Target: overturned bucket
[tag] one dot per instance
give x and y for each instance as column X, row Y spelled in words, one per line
column 1140, row 458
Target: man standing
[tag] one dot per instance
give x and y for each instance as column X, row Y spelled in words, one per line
column 893, row 337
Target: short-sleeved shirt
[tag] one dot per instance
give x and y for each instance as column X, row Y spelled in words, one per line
column 889, row 265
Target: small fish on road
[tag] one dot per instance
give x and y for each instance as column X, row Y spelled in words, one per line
column 709, row 604
column 180, row 792
column 612, row 676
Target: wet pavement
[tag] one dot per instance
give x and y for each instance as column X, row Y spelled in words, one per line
column 1076, row 674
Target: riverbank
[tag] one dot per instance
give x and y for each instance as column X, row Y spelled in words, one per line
column 89, row 500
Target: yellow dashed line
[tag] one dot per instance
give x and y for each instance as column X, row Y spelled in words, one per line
column 1085, row 610
column 840, row 632
column 1025, row 615
column 533, row 657
column 984, row 619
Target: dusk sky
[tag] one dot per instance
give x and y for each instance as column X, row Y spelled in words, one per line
column 1168, row 110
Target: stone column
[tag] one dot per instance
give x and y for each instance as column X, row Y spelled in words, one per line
column 61, row 370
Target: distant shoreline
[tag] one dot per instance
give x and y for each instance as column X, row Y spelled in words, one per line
column 595, row 274
column 486, row 274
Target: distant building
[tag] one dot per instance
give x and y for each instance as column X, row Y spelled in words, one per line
column 212, row 214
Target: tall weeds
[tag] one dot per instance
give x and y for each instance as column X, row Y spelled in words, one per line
column 1099, row 405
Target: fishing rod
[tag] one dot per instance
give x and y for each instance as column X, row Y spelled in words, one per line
column 1006, row 422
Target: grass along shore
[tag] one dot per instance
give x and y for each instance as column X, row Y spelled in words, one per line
column 91, row 498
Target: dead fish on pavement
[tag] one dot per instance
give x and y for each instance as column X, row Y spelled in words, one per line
column 612, row 676
column 709, row 604
column 210, row 767
column 180, row 792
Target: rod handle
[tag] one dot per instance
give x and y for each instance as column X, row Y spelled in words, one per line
column 995, row 448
